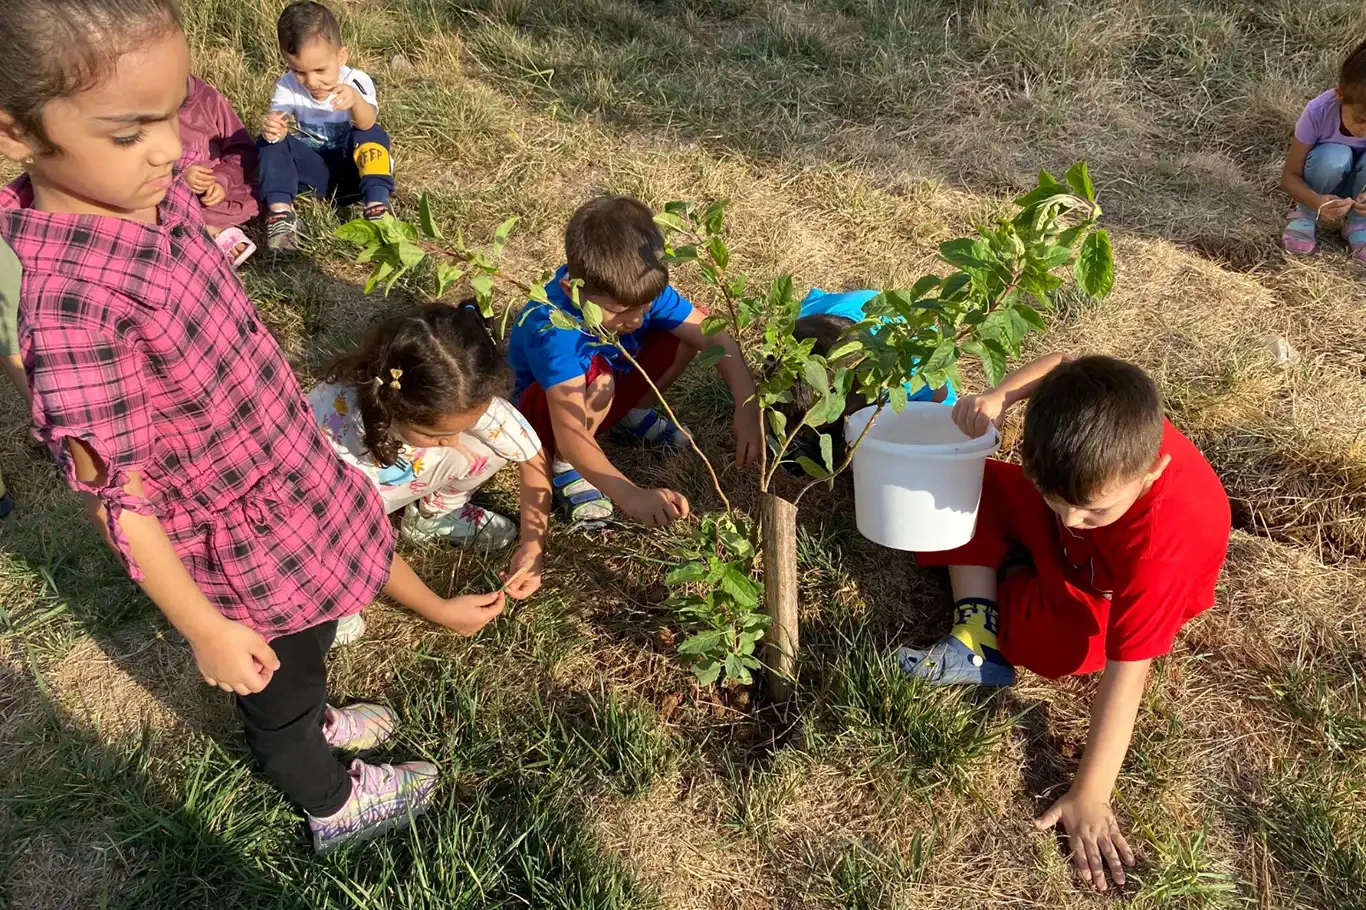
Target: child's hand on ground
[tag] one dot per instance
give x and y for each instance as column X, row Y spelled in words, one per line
column 975, row 414
column 1094, row 835
column 234, row 658
column 344, row 98
column 1335, row 207
column 749, row 434
column 213, row 195
column 200, row 178
column 655, row 508
column 275, row 126
column 529, row 557
column 466, row 615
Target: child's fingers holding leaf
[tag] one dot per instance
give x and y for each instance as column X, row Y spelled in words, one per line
column 470, row 613
column 524, row 576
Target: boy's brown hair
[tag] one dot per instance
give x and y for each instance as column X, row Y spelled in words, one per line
column 1090, row 423
column 1352, row 76
column 614, row 247
column 306, row 21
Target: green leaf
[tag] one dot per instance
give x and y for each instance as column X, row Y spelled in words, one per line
column 685, row 574
column 778, row 421
column 592, row 314
column 945, row 353
column 843, row 349
column 562, row 320
column 709, row 273
column 740, row 587
column 713, row 324
column 682, row 254
column 1095, row 268
column 735, row 668
column 714, row 217
column 897, row 398
column 965, row 252
column 720, row 254
column 811, row 468
column 1030, row 316
column 446, row 275
column 482, row 285
column 711, row 356
column 1079, row 179
column 680, row 207
column 538, row 294
column 410, row 254
column 706, row 672
column 828, row 452
column 992, row 356
column 501, row 233
column 381, row 272
column 360, row 232
column 700, row 643
column 816, row 376
column 1043, row 195
column 671, row 221
column 426, row 219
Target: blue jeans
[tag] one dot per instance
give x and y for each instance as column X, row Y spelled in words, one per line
column 361, row 169
column 1335, row 170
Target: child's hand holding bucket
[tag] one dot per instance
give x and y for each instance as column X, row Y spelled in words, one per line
column 976, row 414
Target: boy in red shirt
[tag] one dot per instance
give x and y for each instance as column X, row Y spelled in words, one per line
column 1090, row 556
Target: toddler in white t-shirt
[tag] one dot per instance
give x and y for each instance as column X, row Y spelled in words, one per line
column 337, row 147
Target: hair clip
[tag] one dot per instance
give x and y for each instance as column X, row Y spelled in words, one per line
column 377, row 382
column 395, row 373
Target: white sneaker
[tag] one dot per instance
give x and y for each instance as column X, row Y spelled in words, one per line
column 467, row 526
column 349, row 631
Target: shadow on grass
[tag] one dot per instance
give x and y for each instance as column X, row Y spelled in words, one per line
column 93, row 824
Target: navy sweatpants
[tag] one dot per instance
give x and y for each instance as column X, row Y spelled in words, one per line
column 362, row 169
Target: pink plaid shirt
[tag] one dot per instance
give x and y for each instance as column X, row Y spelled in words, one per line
column 139, row 341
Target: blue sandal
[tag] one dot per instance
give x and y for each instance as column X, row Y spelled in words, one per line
column 584, row 505
column 949, row 662
column 651, row 428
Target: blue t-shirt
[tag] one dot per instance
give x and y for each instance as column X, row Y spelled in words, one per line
column 850, row 305
column 541, row 353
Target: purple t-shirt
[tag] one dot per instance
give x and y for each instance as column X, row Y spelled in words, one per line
column 1322, row 122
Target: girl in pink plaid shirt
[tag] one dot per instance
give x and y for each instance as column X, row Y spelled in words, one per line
column 173, row 411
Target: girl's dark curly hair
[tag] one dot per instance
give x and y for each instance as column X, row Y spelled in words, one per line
column 419, row 367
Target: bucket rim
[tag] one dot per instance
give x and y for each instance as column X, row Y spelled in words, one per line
column 981, row 447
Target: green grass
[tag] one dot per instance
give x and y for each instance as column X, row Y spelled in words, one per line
column 581, row 766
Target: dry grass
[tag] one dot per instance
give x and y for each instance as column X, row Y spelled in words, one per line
column 586, row 770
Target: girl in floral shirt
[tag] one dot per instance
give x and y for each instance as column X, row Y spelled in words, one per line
column 417, row 408
column 172, row 410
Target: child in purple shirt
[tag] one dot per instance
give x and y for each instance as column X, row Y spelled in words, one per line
column 219, row 163
column 1325, row 172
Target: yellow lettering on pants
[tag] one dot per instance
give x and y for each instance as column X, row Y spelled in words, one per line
column 372, row 160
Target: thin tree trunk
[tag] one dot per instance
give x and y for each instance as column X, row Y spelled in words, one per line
column 778, row 518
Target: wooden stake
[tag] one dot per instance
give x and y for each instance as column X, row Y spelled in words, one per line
column 778, row 518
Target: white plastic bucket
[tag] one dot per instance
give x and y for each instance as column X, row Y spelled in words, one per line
column 917, row 477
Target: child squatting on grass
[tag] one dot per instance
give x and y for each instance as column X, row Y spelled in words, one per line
column 169, row 406
column 339, row 149
column 571, row 386
column 417, row 407
column 1325, row 171
column 1090, row 556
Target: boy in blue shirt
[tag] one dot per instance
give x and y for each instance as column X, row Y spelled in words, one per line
column 826, row 317
column 570, row 386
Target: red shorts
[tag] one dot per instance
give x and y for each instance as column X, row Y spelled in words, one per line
column 1049, row 624
column 655, row 357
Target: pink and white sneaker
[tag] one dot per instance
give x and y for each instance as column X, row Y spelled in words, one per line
column 383, row 798
column 358, row 728
column 465, row 526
